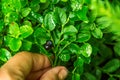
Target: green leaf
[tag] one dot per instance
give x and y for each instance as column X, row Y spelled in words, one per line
column 112, row 65
column 7, row 40
column 26, row 11
column 38, row 34
column 43, row 1
column 49, row 21
column 26, row 45
column 97, row 33
column 7, row 6
column 14, row 30
column 76, row 76
column 83, row 36
column 79, row 62
column 76, row 4
column 65, row 55
column 60, row 15
column 17, row 4
column 69, row 29
column 15, row 44
column 103, row 22
column 25, row 31
column 55, row 1
column 86, row 50
column 24, row 3
column 90, row 76
column 27, row 23
column 64, row 0
column 117, row 48
column 4, row 54
column 111, row 78
column 74, row 48
column 37, row 16
column 82, row 14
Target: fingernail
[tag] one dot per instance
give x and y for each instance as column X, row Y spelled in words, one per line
column 62, row 74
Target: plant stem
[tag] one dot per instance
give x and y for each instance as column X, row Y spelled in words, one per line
column 56, row 56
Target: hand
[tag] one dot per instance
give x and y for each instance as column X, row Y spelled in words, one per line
column 27, row 66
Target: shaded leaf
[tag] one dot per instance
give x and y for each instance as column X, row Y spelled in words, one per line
column 112, row 65
column 83, row 36
column 65, row 55
column 97, row 33
column 90, row 76
column 69, row 29
column 117, row 48
column 26, row 45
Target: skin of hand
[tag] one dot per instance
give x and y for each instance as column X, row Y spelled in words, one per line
column 31, row 66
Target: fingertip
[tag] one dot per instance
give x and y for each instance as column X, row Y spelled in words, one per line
column 63, row 73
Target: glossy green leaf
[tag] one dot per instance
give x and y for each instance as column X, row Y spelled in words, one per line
column 25, row 31
column 60, row 15
column 38, row 34
column 64, row 0
column 7, row 40
column 37, row 16
column 86, row 50
column 11, row 17
column 14, row 30
column 76, row 76
column 55, row 1
column 79, row 62
column 4, row 54
column 27, row 23
column 15, row 44
column 83, row 36
column 49, row 21
column 24, row 3
column 103, row 22
column 7, row 6
column 74, row 48
column 65, row 55
column 76, row 4
column 69, row 29
column 112, row 65
column 43, row 1
column 17, row 4
column 26, row 45
column 82, row 14
column 26, row 11
column 97, row 33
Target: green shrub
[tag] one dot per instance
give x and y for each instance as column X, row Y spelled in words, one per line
column 82, row 35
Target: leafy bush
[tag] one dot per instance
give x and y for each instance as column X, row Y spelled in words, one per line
column 82, row 35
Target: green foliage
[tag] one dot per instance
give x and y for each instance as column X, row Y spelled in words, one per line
column 85, row 34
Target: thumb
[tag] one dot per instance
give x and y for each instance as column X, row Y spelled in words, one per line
column 56, row 73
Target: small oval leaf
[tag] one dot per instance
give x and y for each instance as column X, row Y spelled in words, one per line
column 112, row 65
column 86, row 50
column 4, row 54
column 15, row 44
